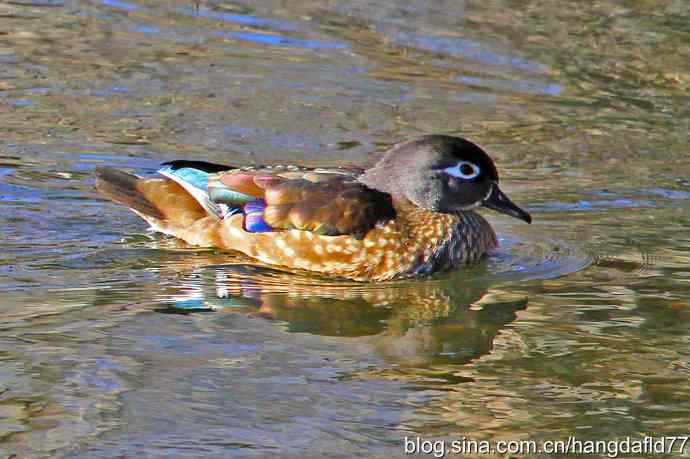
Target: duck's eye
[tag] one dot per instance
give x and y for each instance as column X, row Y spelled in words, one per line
column 464, row 170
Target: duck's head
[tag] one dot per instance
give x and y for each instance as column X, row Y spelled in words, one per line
column 442, row 174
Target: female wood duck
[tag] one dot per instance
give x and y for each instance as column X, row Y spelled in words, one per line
column 410, row 214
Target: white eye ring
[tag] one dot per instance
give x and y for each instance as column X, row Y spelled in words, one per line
column 456, row 171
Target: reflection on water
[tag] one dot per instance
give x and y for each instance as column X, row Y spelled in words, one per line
column 116, row 342
column 423, row 323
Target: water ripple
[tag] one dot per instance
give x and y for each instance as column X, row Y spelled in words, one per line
column 280, row 40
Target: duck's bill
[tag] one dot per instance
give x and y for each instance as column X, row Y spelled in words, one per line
column 499, row 202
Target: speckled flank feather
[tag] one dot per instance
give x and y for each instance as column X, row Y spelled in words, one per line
column 417, row 242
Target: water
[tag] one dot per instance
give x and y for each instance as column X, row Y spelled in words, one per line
column 120, row 343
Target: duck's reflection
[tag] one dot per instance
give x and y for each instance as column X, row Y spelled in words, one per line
column 415, row 323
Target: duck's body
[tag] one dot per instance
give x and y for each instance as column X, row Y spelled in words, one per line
column 373, row 224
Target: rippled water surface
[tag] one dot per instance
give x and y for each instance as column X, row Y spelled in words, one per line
column 116, row 342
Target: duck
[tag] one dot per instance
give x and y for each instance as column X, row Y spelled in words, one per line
column 411, row 214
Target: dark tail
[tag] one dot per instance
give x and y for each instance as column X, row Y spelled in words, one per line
column 123, row 187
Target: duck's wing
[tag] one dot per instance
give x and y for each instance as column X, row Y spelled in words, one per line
column 193, row 176
column 328, row 202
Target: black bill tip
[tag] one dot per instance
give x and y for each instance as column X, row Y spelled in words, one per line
column 499, row 202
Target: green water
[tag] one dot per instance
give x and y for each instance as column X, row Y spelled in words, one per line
column 577, row 326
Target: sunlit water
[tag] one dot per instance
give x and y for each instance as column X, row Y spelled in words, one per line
column 116, row 342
